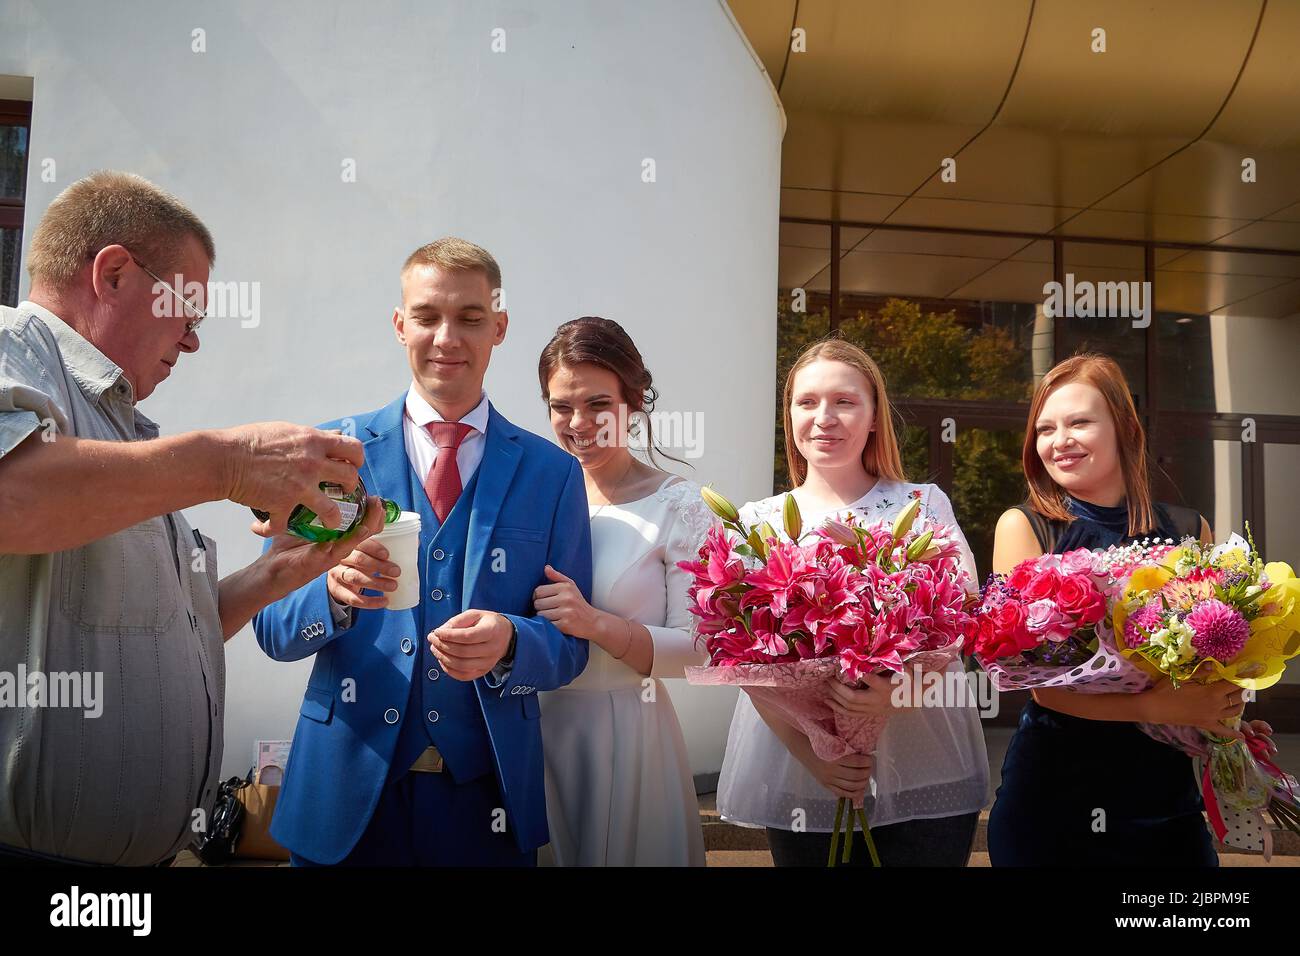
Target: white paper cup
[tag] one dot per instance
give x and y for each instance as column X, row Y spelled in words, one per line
column 402, row 539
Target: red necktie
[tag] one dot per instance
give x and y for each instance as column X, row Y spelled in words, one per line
column 442, row 484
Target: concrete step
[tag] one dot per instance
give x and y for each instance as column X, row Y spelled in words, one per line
column 728, row 858
column 722, row 836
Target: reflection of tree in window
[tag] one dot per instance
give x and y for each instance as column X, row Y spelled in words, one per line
column 11, row 246
column 933, row 355
column 1114, row 337
column 795, row 331
column 13, row 160
column 13, row 177
column 914, row 444
column 987, row 479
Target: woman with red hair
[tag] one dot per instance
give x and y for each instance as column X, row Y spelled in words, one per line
column 1081, row 784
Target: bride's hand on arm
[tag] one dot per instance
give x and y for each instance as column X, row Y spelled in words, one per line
column 562, row 603
column 847, row 777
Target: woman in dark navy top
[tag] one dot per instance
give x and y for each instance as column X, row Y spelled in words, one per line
column 1081, row 784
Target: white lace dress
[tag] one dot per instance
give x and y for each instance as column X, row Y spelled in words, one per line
column 930, row 761
column 619, row 790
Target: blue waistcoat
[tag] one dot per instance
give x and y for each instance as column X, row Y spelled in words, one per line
column 441, row 710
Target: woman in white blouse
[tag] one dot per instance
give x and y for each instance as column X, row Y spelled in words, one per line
column 928, row 778
column 619, row 789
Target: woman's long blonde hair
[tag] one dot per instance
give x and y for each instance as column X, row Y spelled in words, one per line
column 881, row 456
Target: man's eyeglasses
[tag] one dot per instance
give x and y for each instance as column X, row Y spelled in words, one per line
column 197, row 314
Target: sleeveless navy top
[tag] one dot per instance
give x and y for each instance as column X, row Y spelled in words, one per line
column 1096, row 526
column 1079, row 792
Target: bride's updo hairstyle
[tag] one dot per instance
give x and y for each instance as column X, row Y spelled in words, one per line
column 592, row 340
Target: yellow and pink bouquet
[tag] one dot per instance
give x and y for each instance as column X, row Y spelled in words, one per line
column 1208, row 613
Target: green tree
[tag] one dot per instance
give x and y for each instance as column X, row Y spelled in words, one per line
column 795, row 331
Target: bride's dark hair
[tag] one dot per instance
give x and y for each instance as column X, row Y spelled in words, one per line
column 592, row 340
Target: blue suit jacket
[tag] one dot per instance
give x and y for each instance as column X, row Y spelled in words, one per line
column 530, row 502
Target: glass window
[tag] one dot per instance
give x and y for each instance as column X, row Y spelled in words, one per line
column 1282, row 506
column 1202, row 473
column 944, row 315
column 939, row 265
column 1282, row 514
column 804, row 257
column 14, row 120
column 1206, row 282
column 13, row 160
column 986, row 481
column 945, row 349
column 1102, row 278
column 914, row 445
column 11, row 247
column 803, row 314
column 1184, row 363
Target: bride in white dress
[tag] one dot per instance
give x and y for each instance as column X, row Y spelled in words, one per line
column 619, row 789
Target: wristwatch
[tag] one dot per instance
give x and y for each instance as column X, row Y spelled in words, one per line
column 509, row 656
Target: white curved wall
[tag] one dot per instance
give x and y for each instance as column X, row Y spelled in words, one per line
column 535, row 153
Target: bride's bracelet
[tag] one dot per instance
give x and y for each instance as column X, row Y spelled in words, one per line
column 628, row 646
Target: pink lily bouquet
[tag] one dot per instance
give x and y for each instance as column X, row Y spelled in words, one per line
column 782, row 617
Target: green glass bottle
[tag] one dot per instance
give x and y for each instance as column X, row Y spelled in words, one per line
column 304, row 522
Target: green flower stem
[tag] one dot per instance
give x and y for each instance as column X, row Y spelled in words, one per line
column 1285, row 815
column 835, row 831
column 843, row 828
column 866, row 832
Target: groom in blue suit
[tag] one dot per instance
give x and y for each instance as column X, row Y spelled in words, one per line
column 418, row 741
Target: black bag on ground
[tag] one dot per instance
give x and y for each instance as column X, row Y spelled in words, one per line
column 216, row 844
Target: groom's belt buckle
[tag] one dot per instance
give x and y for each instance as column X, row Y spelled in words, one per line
column 428, row 762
